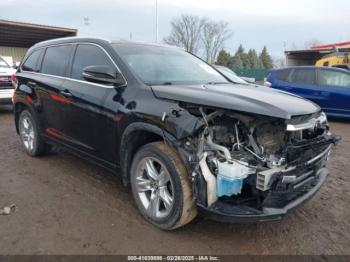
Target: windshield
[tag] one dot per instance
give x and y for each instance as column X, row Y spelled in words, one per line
column 3, row 63
column 230, row 75
column 158, row 65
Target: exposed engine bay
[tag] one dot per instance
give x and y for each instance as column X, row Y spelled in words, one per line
column 240, row 159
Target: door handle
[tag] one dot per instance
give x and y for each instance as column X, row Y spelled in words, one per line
column 31, row 84
column 66, row 93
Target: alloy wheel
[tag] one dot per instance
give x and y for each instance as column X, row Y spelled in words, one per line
column 27, row 133
column 154, row 187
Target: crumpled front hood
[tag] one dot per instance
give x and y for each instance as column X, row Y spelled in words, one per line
column 244, row 98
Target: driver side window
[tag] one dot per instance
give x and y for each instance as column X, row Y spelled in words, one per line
column 88, row 55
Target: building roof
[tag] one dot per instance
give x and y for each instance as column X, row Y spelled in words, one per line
column 18, row 34
column 330, row 46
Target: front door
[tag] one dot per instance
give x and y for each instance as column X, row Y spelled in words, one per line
column 89, row 125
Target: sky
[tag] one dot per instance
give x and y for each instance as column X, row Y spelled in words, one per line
column 277, row 24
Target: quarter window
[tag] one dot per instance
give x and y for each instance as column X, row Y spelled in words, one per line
column 333, row 78
column 56, row 60
column 32, row 63
column 88, row 55
column 304, row 76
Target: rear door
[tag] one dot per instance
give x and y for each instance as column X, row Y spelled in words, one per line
column 303, row 83
column 89, row 126
column 335, row 85
column 54, row 103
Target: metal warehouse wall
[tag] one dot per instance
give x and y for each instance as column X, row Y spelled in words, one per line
column 17, row 53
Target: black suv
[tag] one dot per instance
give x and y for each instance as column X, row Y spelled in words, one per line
column 182, row 135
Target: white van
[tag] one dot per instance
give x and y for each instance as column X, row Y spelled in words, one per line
column 6, row 87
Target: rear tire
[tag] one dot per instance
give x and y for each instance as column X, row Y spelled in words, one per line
column 161, row 187
column 31, row 141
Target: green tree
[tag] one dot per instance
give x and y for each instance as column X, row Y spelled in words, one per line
column 254, row 60
column 240, row 50
column 235, row 62
column 223, row 58
column 266, row 59
column 243, row 57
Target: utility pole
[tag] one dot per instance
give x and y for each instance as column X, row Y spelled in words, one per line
column 86, row 21
column 156, row 21
column 285, row 49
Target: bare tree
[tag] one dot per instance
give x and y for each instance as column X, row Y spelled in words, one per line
column 312, row 42
column 279, row 62
column 213, row 37
column 186, row 32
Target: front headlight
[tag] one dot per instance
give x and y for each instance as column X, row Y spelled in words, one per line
column 323, row 118
column 320, row 121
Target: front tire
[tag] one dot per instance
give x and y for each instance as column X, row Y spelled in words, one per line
column 29, row 135
column 161, row 187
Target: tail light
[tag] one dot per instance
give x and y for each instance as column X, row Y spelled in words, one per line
column 267, row 84
column 14, row 80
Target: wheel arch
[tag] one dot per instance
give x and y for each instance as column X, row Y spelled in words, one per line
column 18, row 108
column 135, row 136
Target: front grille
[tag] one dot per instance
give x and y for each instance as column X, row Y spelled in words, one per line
column 282, row 194
column 295, row 120
column 5, row 82
column 6, row 85
column 298, row 153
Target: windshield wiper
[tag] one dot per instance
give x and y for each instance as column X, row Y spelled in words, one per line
column 167, row 83
column 217, row 83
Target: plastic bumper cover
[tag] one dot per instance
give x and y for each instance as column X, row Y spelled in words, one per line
column 231, row 215
column 6, row 96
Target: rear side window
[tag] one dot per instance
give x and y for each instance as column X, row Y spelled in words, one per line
column 333, row 78
column 56, row 60
column 283, row 75
column 88, row 55
column 32, row 63
column 304, row 76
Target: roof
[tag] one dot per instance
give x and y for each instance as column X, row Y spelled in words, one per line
column 99, row 40
column 330, row 46
column 18, row 34
column 73, row 39
column 312, row 67
column 323, row 49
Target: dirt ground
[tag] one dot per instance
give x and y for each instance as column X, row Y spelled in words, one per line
column 66, row 205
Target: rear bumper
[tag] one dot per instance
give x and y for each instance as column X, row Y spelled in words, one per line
column 234, row 215
column 6, row 96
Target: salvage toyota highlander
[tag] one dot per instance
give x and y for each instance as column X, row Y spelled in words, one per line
column 187, row 139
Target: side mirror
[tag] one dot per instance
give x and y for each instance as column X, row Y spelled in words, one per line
column 103, row 75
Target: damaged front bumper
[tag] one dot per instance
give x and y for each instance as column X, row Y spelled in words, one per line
column 225, row 212
column 247, row 170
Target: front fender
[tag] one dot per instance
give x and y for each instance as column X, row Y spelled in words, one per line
column 128, row 147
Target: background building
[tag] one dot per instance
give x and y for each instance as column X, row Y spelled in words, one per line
column 17, row 37
column 309, row 57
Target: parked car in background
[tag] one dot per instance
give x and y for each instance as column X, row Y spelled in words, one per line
column 6, row 87
column 185, row 138
column 231, row 75
column 327, row 87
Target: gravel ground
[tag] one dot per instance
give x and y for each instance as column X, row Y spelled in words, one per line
column 65, row 205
